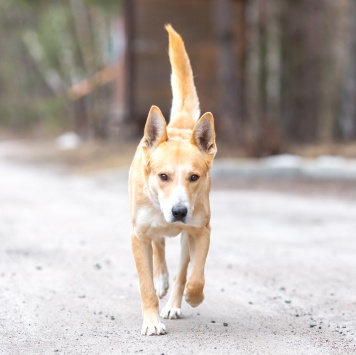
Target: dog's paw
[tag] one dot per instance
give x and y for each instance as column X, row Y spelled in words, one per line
column 153, row 328
column 152, row 324
column 194, row 294
column 161, row 284
column 169, row 312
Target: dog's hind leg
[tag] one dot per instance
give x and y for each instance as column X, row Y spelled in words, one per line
column 160, row 271
column 172, row 310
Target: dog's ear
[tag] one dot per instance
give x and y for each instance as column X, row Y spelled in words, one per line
column 155, row 132
column 204, row 135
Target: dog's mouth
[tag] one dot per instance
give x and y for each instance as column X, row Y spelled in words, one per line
column 179, row 221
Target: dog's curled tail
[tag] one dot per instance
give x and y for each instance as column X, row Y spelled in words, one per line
column 185, row 104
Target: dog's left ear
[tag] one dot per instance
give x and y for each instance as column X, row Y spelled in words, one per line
column 204, row 135
column 155, row 132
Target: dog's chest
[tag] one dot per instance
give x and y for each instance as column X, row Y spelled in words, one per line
column 150, row 221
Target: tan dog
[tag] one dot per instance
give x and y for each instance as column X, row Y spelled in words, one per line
column 169, row 188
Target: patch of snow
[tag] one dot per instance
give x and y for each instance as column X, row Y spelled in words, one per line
column 68, row 141
column 283, row 161
column 331, row 161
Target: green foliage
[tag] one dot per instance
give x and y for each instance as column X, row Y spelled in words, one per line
column 44, row 52
column 107, row 5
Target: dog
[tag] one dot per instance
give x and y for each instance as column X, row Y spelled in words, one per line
column 169, row 185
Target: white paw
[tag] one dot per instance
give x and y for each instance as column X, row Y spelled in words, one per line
column 153, row 329
column 171, row 312
column 161, row 284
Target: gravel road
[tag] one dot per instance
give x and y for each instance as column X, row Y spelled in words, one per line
column 281, row 273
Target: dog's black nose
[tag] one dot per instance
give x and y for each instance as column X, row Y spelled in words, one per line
column 179, row 212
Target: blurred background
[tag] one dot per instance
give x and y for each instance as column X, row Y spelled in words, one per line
column 279, row 76
column 77, row 79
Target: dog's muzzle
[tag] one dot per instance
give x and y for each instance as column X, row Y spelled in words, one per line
column 179, row 213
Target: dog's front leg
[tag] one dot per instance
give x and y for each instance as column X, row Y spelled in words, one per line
column 142, row 251
column 198, row 250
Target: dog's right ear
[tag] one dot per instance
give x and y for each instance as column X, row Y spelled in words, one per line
column 155, row 132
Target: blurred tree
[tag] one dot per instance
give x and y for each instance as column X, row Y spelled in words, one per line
column 277, row 67
column 226, row 71
column 300, row 68
column 241, row 30
column 348, row 99
column 59, row 48
column 129, row 61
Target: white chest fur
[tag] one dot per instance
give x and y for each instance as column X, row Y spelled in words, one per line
column 150, row 221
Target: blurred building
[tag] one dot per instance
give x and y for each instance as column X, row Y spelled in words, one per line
column 151, row 71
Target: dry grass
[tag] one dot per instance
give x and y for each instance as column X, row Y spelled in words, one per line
column 86, row 159
column 347, row 150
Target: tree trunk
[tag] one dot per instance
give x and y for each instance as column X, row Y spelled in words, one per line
column 241, row 34
column 301, row 59
column 263, row 65
column 348, row 100
column 80, row 110
column 226, row 71
column 129, row 90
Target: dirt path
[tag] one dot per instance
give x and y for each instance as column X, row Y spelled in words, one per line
column 281, row 273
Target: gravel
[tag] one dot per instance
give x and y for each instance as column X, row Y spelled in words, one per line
column 280, row 275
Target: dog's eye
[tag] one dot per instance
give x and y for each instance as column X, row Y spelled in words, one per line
column 163, row 177
column 194, row 177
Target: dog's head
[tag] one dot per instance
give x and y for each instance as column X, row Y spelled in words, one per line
column 178, row 169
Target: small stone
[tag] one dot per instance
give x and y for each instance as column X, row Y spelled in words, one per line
column 225, row 324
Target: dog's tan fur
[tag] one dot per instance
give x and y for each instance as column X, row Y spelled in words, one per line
column 169, row 188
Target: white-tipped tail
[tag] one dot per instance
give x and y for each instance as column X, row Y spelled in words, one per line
column 185, row 109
